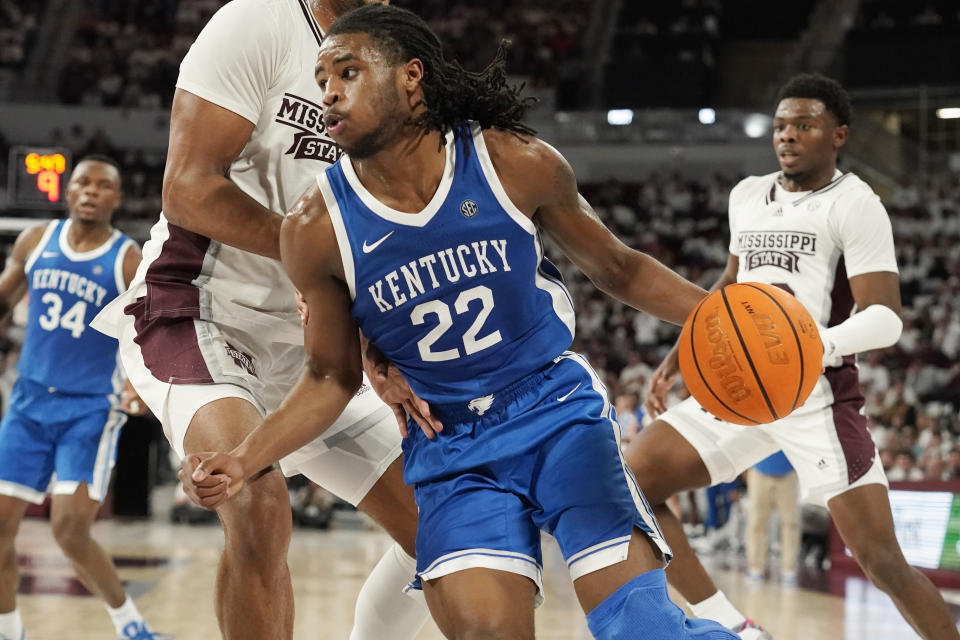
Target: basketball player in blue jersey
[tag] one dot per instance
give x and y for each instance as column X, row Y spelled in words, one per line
column 426, row 237
column 65, row 412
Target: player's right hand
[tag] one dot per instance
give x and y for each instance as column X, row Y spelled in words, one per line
column 388, row 382
column 661, row 382
column 210, row 479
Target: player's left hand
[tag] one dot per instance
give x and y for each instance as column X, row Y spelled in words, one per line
column 130, row 401
column 302, row 307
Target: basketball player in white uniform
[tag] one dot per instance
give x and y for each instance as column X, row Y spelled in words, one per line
column 209, row 331
column 825, row 237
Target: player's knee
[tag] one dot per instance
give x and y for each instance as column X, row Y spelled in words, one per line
column 656, row 490
column 643, row 603
column 882, row 564
column 71, row 531
column 259, row 526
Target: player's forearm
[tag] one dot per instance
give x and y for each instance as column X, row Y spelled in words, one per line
column 659, row 291
column 876, row 327
column 308, row 410
column 215, row 207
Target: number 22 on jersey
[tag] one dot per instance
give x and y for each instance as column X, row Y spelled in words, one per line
column 471, row 343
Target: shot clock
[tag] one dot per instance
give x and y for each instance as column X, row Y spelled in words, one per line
column 38, row 177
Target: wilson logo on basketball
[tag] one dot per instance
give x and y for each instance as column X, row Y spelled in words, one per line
column 722, row 361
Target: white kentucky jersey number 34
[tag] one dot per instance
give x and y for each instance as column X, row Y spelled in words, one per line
column 72, row 320
column 471, row 343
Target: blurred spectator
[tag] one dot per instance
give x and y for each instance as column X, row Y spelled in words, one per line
column 904, row 468
column 18, row 30
column 627, row 406
column 928, row 17
column 772, row 485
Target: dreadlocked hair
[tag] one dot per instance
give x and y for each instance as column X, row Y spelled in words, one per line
column 452, row 95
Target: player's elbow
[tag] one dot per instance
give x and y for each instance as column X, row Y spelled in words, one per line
column 615, row 274
column 181, row 193
column 891, row 324
column 346, row 380
column 174, row 197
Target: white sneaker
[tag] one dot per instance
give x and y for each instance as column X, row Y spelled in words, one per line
column 750, row 630
column 788, row 578
column 754, row 576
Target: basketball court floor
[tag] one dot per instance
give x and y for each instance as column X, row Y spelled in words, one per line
column 169, row 569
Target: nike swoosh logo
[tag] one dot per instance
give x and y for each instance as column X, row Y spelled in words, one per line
column 567, row 395
column 367, row 248
column 49, row 254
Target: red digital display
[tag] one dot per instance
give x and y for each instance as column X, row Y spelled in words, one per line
column 37, row 175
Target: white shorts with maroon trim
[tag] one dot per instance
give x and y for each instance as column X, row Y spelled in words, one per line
column 195, row 362
column 826, row 439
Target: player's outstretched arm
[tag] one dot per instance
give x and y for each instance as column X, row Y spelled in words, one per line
column 197, row 195
column 333, row 371
column 13, row 279
column 542, row 184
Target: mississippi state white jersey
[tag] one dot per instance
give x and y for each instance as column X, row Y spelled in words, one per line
column 256, row 59
column 810, row 242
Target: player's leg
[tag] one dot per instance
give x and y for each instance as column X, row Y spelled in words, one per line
column 11, row 513
column 84, row 459
column 383, row 610
column 71, row 517
column 687, row 448
column 361, row 464
column 478, row 549
column 254, row 594
column 664, row 464
column 485, row 604
column 587, row 498
column 837, row 463
column 26, row 462
column 865, row 523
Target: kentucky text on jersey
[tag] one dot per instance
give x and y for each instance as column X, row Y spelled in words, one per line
column 467, row 261
column 72, row 283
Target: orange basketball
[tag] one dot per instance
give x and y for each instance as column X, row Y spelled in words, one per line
column 750, row 353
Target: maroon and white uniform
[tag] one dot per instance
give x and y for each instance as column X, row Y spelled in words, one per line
column 809, row 243
column 203, row 320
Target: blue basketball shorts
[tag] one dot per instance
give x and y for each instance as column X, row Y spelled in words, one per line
column 43, row 432
column 542, row 454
